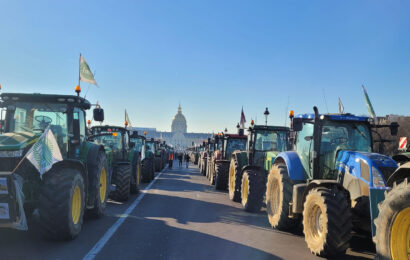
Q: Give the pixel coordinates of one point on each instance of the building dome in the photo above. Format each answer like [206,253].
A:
[179,122]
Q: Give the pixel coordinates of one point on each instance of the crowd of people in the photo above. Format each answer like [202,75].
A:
[180,156]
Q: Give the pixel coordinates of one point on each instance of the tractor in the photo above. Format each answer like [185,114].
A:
[151,146]
[214,145]
[208,148]
[146,155]
[248,169]
[333,181]
[74,186]
[124,160]
[231,143]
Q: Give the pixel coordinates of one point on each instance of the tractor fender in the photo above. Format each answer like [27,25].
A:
[76,164]
[92,155]
[399,175]
[293,164]
[241,157]
[253,167]
[403,157]
[222,161]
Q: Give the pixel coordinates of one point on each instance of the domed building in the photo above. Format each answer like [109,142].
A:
[179,138]
[179,122]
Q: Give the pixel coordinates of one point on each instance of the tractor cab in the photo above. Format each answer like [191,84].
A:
[331,143]
[264,143]
[233,142]
[114,138]
[151,145]
[138,141]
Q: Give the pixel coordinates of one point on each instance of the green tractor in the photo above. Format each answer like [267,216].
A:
[147,162]
[248,169]
[222,158]
[214,145]
[159,155]
[151,148]
[37,128]
[124,160]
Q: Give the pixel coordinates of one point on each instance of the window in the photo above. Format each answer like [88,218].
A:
[304,146]
[81,120]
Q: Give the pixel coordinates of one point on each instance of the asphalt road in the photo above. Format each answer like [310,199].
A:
[178,216]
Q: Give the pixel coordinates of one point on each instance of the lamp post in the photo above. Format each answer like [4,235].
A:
[266,116]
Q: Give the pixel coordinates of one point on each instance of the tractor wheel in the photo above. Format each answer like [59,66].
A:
[221,176]
[278,196]
[327,221]
[136,177]
[204,167]
[122,183]
[152,168]
[101,183]
[393,224]
[146,171]
[208,167]
[234,181]
[61,204]
[212,175]
[252,189]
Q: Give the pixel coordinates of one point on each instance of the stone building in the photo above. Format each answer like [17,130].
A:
[179,138]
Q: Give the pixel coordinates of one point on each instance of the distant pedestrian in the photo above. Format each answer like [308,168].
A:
[180,159]
[170,159]
[187,160]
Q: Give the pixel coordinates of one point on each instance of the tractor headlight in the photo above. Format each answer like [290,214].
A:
[8,154]
[378,180]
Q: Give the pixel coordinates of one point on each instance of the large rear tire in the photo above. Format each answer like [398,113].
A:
[327,222]
[101,184]
[278,196]
[221,176]
[252,189]
[393,224]
[234,181]
[61,204]
[146,171]
[122,183]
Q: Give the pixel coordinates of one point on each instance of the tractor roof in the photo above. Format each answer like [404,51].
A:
[268,128]
[8,98]
[110,128]
[335,117]
[236,136]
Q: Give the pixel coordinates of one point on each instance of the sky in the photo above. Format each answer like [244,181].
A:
[213,57]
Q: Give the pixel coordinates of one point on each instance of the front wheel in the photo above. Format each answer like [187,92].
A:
[122,183]
[393,224]
[234,181]
[101,183]
[327,221]
[136,177]
[61,204]
[221,176]
[253,188]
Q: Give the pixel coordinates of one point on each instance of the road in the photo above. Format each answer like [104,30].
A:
[178,216]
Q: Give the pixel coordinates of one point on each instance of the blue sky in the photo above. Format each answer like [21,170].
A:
[212,56]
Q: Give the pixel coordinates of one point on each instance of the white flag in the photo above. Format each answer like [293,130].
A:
[341,107]
[85,72]
[127,119]
[45,152]
[243,120]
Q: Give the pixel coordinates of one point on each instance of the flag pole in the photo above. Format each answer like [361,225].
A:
[79,66]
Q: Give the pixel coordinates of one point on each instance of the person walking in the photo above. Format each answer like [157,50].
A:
[180,159]
[170,159]
[187,159]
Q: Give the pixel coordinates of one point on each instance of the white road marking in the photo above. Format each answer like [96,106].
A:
[111,231]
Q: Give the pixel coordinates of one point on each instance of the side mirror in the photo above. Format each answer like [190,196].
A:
[98,114]
[297,124]
[394,128]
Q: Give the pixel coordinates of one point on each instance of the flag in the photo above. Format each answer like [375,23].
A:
[341,107]
[45,152]
[243,120]
[368,103]
[85,72]
[127,119]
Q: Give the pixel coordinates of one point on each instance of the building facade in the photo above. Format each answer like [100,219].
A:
[179,138]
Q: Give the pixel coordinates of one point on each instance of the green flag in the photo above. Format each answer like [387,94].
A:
[85,72]
[368,103]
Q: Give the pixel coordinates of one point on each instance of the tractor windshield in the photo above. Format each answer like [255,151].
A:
[151,146]
[270,141]
[234,144]
[138,143]
[109,139]
[26,117]
[338,136]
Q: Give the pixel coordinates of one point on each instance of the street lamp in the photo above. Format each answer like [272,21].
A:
[266,116]
[226,130]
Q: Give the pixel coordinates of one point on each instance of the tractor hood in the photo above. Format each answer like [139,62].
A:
[17,141]
[352,161]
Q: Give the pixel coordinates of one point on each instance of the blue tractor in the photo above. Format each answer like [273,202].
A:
[332,180]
